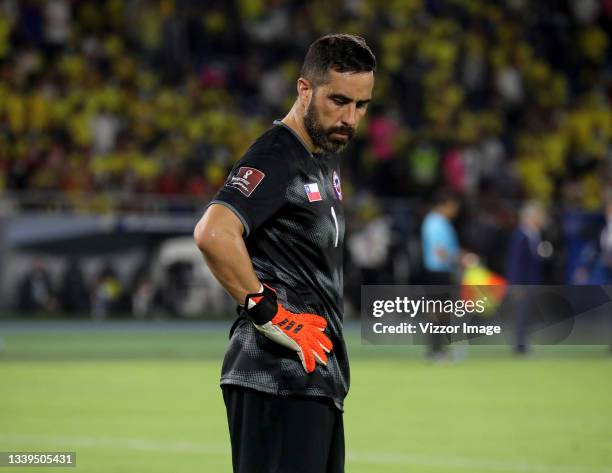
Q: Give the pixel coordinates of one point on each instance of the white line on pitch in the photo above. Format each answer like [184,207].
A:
[377,458]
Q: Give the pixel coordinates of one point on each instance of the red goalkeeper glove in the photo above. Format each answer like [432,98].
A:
[302,333]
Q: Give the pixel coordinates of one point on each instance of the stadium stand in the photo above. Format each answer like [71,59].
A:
[142,106]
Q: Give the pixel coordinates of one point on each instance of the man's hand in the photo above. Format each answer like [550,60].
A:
[302,333]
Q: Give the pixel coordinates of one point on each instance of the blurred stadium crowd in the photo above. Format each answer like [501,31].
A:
[104,102]
[162,96]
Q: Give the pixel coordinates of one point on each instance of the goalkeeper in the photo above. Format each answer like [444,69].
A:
[273,237]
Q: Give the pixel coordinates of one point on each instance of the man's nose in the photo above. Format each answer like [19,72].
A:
[349,118]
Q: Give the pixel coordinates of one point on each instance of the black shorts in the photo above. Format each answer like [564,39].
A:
[283,434]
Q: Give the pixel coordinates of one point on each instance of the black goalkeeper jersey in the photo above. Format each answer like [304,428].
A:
[290,202]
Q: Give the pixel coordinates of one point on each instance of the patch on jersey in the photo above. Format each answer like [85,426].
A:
[246,180]
[312,191]
[336,183]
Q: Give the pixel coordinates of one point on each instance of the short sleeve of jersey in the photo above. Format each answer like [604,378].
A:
[255,188]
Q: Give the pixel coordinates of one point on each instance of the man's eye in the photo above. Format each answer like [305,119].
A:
[362,105]
[339,101]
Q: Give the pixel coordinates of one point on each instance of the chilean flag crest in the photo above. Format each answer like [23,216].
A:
[312,191]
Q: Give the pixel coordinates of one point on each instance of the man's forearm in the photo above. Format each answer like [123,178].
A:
[229,261]
[218,235]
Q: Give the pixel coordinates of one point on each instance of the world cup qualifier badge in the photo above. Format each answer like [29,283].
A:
[336,183]
[246,180]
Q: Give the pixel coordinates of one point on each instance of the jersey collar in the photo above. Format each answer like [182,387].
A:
[280,123]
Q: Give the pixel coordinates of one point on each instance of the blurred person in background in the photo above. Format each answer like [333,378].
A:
[440,243]
[273,237]
[142,292]
[606,243]
[524,267]
[107,293]
[590,267]
[36,293]
[178,276]
[369,245]
[440,248]
[74,294]
[595,259]
[606,247]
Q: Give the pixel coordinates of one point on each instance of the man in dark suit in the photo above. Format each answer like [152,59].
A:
[523,266]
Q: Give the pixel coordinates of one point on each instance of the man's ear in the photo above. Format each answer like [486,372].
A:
[305,92]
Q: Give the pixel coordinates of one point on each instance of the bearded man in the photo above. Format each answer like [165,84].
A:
[273,238]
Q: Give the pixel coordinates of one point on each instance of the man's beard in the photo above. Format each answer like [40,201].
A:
[321,136]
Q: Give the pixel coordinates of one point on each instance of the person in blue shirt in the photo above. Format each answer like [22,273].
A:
[439,240]
[441,252]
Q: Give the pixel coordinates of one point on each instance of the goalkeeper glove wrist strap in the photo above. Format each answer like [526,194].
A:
[261,307]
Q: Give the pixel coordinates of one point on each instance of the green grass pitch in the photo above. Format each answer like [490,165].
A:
[150,402]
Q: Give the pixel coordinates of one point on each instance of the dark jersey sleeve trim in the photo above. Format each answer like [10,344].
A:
[241,217]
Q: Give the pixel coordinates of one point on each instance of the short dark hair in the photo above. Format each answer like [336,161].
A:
[340,52]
